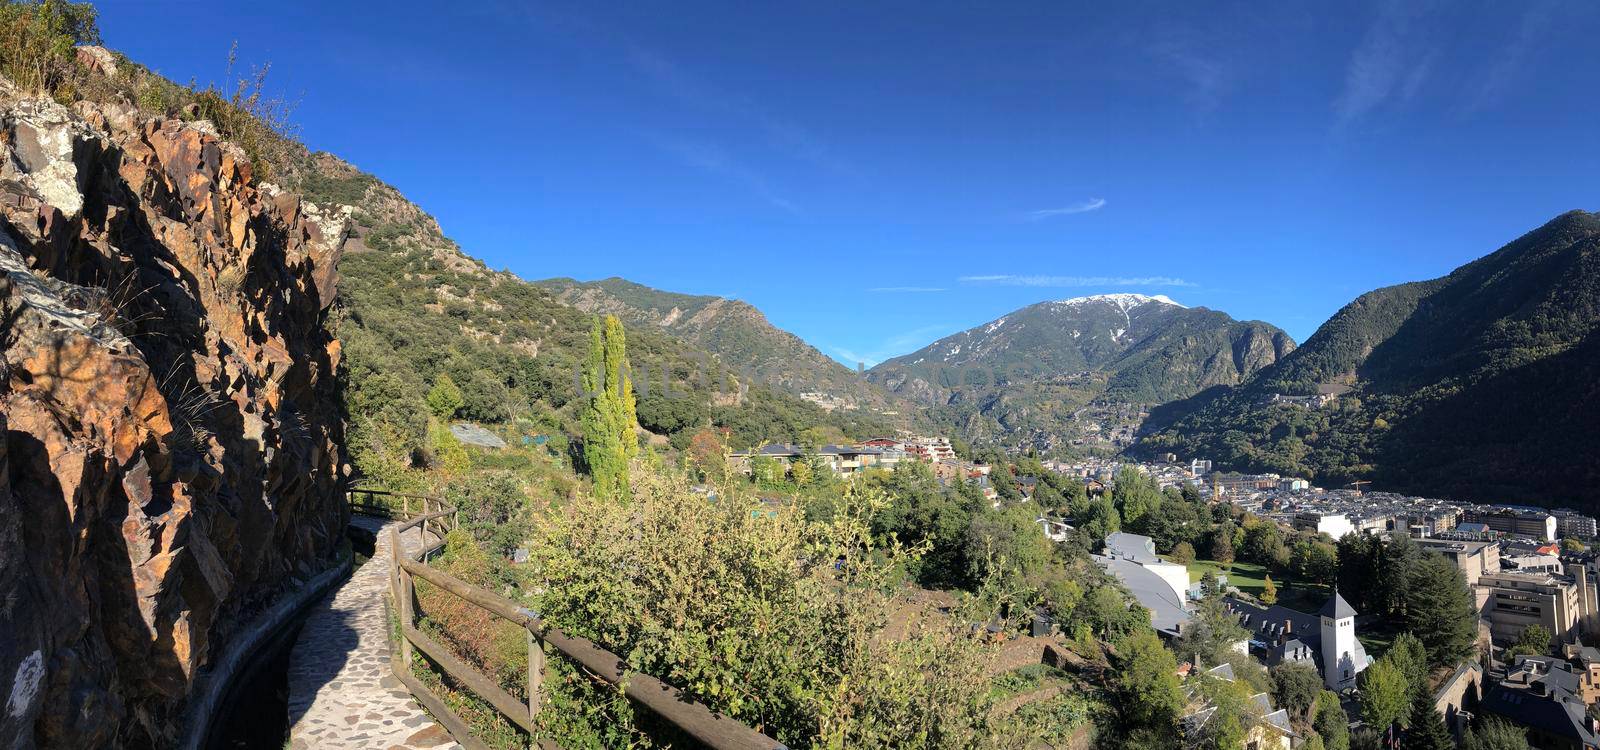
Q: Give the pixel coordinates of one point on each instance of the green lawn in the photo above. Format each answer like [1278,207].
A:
[1376,643]
[1251,579]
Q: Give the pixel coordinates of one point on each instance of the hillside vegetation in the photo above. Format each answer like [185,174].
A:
[1483,384]
[1028,378]
[413,309]
[735,331]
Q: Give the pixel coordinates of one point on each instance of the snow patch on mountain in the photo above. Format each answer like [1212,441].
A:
[1123,301]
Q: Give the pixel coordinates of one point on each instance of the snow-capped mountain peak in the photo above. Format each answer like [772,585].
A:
[1124,301]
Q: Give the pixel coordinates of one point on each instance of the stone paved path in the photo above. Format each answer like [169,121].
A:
[341,692]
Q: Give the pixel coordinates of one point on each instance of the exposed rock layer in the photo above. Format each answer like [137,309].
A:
[172,456]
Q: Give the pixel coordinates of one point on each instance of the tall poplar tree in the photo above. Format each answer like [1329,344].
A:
[610,419]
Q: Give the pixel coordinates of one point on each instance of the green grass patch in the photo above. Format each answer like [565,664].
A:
[1248,577]
[1377,643]
[1251,578]
[1024,680]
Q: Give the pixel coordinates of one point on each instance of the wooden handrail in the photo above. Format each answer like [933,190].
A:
[711,728]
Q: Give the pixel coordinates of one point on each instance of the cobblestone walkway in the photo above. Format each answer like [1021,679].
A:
[341,692]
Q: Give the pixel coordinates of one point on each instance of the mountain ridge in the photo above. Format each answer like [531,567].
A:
[1458,385]
[734,330]
[1036,369]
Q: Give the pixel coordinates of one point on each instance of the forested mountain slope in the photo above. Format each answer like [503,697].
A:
[1023,377]
[413,306]
[735,331]
[1484,383]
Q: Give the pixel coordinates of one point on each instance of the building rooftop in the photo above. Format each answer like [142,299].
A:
[1337,607]
[1167,612]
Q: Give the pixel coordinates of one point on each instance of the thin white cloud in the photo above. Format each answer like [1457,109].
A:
[1507,64]
[907,289]
[893,346]
[1206,78]
[1390,64]
[1082,207]
[716,161]
[681,86]
[676,82]
[1006,279]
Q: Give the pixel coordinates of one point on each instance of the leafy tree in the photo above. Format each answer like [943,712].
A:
[1330,721]
[1222,544]
[1269,591]
[1534,639]
[493,508]
[1145,683]
[1385,695]
[1006,543]
[1440,611]
[768,471]
[803,472]
[485,398]
[1137,498]
[444,398]
[1212,632]
[1296,686]
[1109,612]
[37,52]
[1263,544]
[1062,596]
[1495,733]
[665,413]
[1177,522]
[1233,714]
[768,617]
[609,418]
[449,455]
[708,453]
[1100,518]
[1427,730]
[1409,655]
[1315,560]
[1182,552]
[921,511]
[1225,731]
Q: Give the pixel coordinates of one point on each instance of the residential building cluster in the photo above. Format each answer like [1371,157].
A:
[877,453]
[1514,559]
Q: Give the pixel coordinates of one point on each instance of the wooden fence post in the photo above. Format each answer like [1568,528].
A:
[535,674]
[404,599]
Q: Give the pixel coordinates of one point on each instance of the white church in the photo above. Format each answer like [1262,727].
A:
[1326,640]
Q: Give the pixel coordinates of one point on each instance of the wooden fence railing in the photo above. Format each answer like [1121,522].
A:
[434,516]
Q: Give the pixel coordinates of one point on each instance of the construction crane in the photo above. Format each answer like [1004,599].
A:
[1358,485]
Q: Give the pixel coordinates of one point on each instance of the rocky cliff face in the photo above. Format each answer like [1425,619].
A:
[172,455]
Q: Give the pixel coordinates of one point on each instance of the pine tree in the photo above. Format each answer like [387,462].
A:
[610,419]
[444,398]
[1440,611]
[1427,731]
[1269,592]
[1493,733]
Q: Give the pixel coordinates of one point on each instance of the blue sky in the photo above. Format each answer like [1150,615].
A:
[876,175]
